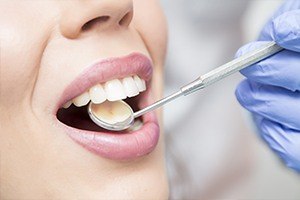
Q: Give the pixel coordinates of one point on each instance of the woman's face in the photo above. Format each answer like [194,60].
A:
[53,52]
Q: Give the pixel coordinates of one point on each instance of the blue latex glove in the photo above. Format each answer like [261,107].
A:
[271,91]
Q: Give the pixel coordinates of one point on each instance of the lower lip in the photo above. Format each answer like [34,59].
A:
[121,145]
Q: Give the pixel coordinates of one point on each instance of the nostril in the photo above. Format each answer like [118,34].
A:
[96,21]
[125,21]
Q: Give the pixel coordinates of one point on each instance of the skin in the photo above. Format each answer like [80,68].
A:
[44,46]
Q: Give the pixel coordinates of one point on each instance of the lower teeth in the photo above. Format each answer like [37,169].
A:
[136,126]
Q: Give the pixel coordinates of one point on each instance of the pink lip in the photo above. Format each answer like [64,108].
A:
[108,69]
[121,145]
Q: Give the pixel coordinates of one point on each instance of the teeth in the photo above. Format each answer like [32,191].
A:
[140,83]
[112,112]
[82,99]
[113,90]
[130,87]
[136,126]
[67,105]
[97,94]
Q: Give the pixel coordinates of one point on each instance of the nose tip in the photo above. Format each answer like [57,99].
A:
[95,15]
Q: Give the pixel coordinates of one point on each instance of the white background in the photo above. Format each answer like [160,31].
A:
[212,150]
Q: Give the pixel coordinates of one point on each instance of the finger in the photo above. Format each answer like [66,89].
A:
[285,142]
[273,103]
[287,6]
[286,30]
[281,69]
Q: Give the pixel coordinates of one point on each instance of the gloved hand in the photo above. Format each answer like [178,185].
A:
[271,91]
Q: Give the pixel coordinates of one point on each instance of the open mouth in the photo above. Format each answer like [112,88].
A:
[74,112]
[126,78]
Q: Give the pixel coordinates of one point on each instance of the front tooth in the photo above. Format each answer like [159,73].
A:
[67,105]
[97,94]
[82,99]
[140,83]
[130,87]
[114,90]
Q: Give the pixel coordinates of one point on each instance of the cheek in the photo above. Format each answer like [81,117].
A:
[21,48]
[151,24]
[19,64]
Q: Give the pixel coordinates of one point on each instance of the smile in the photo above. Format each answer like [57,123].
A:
[126,78]
[113,90]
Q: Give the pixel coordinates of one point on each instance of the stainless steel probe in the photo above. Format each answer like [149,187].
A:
[217,74]
[203,81]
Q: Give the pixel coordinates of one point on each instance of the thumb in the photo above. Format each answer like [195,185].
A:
[286,30]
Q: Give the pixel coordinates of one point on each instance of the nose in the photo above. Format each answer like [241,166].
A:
[94,15]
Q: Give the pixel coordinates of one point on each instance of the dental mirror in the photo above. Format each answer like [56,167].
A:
[118,115]
[111,115]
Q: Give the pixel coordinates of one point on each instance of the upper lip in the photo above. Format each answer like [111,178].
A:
[108,69]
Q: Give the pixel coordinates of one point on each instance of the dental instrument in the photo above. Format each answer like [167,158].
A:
[202,82]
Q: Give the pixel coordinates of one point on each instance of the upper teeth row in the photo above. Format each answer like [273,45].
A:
[113,90]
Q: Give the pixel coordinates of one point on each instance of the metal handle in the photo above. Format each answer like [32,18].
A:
[158,104]
[217,74]
[231,67]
